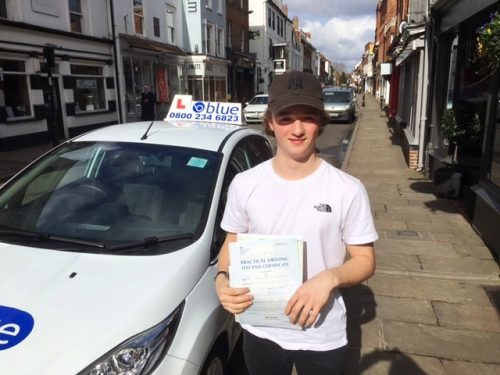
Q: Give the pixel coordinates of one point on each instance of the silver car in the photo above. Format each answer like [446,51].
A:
[340,103]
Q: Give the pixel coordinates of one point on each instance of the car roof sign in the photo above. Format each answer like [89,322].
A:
[183,108]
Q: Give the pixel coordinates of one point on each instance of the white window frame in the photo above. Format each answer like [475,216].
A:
[170,24]
[77,14]
[208,4]
[209,38]
[219,42]
[219,6]
[229,31]
[243,36]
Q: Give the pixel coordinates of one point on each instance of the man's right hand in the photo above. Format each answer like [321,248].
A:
[234,300]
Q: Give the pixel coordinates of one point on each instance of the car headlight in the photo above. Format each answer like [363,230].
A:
[140,354]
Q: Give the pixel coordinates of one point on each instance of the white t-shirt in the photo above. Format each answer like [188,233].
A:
[327,209]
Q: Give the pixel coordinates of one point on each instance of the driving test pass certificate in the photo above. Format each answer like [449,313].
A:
[272,268]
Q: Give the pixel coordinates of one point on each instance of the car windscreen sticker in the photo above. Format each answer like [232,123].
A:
[15,326]
[197,162]
[183,108]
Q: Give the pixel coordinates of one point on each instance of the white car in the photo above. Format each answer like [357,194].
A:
[256,108]
[109,248]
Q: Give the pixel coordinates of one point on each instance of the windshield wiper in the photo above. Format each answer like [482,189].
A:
[41,237]
[149,242]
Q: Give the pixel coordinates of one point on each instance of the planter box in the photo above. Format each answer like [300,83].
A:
[447,183]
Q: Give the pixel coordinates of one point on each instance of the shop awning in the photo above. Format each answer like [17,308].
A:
[147,44]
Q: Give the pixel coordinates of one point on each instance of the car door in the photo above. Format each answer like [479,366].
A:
[248,153]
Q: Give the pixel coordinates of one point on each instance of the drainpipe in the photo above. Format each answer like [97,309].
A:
[425,92]
[117,62]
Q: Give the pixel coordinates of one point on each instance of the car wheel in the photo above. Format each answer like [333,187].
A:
[216,362]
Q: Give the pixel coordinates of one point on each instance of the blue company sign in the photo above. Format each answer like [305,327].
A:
[184,109]
[216,108]
[15,326]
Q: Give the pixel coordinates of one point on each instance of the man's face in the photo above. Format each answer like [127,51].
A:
[296,129]
[146,88]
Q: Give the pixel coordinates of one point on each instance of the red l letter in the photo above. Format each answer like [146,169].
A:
[180,105]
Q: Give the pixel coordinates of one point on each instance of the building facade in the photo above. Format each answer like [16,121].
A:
[150,51]
[465,82]
[241,71]
[69,66]
[57,71]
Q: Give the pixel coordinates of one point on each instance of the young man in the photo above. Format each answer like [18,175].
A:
[297,193]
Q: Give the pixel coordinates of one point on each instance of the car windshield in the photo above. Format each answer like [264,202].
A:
[110,194]
[337,97]
[258,100]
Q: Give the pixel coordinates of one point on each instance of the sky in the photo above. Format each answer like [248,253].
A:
[340,28]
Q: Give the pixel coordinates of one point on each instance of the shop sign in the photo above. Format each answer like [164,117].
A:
[162,85]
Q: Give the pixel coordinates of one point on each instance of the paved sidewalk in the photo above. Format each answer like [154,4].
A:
[433,305]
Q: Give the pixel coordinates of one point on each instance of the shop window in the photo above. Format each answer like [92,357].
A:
[194,87]
[138,17]
[89,88]
[208,4]
[137,73]
[219,6]
[75,15]
[14,89]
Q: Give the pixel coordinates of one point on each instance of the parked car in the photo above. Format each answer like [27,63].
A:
[340,103]
[256,108]
[109,248]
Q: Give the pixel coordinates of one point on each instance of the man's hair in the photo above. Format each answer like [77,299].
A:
[324,119]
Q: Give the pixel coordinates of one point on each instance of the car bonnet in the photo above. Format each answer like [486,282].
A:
[83,305]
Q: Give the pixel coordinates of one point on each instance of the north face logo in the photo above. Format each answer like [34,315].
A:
[295,83]
[323,207]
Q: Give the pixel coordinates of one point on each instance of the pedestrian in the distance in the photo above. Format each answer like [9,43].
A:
[148,100]
[296,193]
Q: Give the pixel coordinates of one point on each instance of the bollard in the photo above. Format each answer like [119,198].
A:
[363,102]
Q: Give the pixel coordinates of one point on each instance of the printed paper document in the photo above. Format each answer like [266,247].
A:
[272,267]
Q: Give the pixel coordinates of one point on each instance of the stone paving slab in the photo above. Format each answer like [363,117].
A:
[398,262]
[382,362]
[442,342]
[452,291]
[477,251]
[470,368]
[461,264]
[471,317]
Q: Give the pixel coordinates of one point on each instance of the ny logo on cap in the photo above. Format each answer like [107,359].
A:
[295,83]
